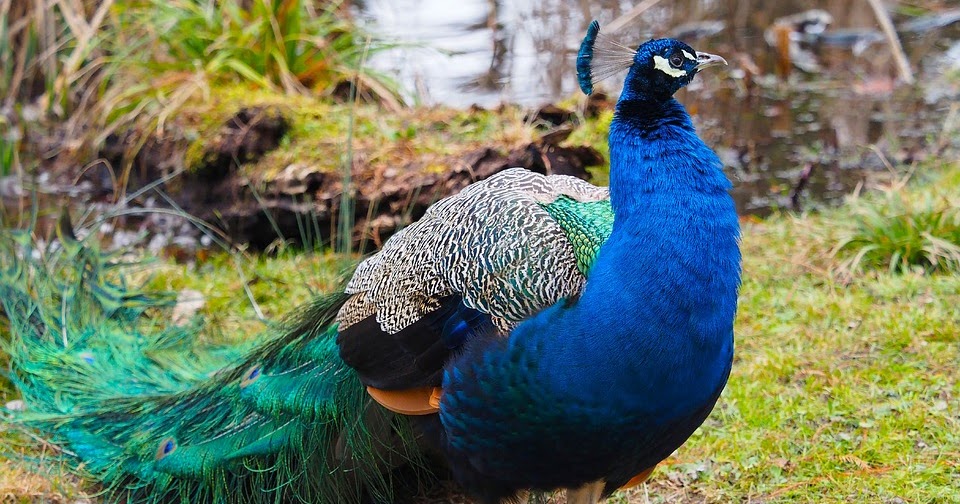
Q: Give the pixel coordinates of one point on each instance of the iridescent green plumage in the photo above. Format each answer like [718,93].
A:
[587,225]
[158,416]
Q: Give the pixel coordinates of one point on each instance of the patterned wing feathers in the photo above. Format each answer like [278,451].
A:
[493,244]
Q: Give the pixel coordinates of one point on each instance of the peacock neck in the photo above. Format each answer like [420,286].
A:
[661,297]
[655,153]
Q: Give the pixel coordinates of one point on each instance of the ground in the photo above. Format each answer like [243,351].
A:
[843,390]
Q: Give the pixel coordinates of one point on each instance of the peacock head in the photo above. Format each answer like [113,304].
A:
[657,69]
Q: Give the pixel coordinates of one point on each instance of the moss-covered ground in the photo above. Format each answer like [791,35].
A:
[322,132]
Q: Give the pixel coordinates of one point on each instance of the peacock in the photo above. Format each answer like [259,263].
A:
[530,333]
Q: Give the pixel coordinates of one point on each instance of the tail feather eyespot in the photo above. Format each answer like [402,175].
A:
[167,446]
[251,375]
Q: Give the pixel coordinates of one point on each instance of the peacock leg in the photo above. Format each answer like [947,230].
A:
[587,494]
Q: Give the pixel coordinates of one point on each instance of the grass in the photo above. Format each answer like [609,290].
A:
[50,66]
[890,231]
[9,147]
[844,387]
[289,46]
[429,136]
[20,485]
[840,393]
[42,51]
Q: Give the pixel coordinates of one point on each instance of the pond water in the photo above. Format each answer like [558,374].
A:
[797,123]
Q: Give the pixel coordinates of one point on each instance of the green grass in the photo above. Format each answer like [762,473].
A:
[844,387]
[9,147]
[290,46]
[893,231]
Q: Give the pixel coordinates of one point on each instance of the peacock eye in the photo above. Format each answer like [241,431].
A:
[167,446]
[250,375]
[676,60]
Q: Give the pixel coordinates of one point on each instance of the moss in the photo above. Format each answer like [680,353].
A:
[204,117]
[322,134]
[594,133]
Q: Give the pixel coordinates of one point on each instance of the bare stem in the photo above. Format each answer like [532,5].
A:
[883,17]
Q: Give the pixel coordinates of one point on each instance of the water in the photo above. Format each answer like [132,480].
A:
[824,130]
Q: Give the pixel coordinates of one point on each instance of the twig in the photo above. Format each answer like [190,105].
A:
[623,20]
[883,17]
[83,33]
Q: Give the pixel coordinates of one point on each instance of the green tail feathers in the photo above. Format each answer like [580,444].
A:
[157,416]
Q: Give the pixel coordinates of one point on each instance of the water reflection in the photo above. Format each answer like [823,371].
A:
[771,123]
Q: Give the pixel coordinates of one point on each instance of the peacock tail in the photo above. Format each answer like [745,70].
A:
[158,414]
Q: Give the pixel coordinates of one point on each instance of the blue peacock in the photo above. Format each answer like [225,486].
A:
[530,333]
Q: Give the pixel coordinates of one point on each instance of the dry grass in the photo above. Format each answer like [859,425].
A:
[36,473]
[18,484]
[91,68]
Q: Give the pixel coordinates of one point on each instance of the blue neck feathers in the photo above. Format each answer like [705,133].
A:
[656,153]
[661,298]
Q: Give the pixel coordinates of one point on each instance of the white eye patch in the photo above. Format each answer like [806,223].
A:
[688,55]
[661,63]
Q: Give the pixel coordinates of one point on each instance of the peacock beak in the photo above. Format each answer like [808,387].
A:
[706,60]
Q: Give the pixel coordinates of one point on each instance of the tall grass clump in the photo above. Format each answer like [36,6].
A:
[166,53]
[9,147]
[49,52]
[50,66]
[280,44]
[99,66]
[900,231]
[286,45]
